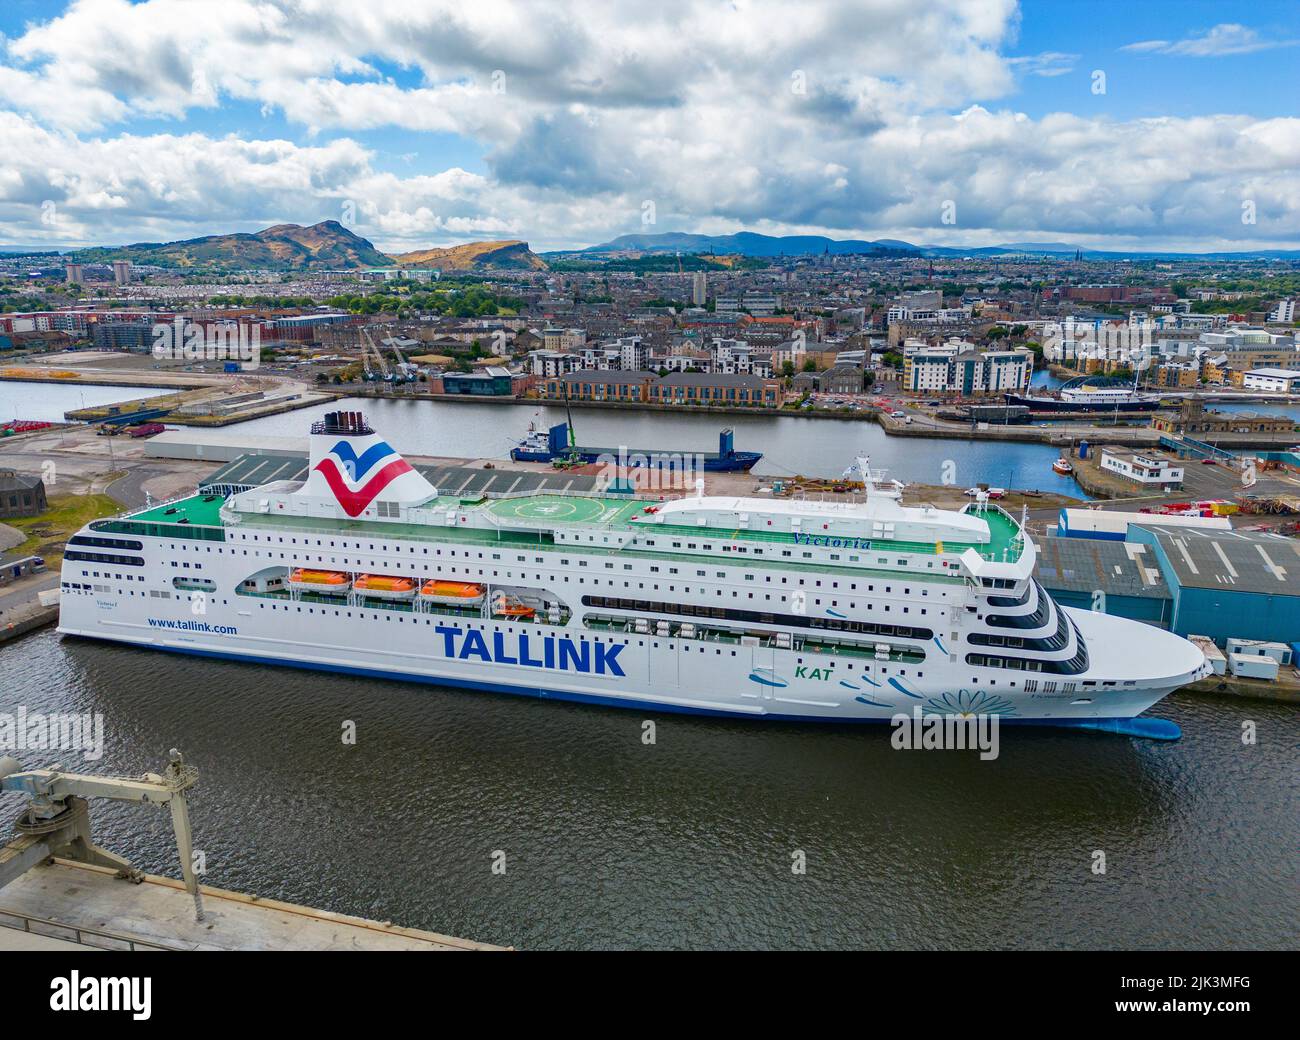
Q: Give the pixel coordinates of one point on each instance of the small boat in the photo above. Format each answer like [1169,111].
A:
[508,606]
[331,583]
[516,610]
[381,586]
[1062,466]
[454,593]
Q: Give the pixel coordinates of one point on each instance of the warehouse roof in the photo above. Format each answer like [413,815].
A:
[1089,564]
[1236,561]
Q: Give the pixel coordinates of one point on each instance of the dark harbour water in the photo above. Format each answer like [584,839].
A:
[791,444]
[687,844]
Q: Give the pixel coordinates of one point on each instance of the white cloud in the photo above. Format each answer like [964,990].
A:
[1223,39]
[832,117]
[1048,63]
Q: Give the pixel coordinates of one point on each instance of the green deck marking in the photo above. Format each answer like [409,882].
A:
[204,510]
[565,509]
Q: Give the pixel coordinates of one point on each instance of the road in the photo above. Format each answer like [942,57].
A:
[22,594]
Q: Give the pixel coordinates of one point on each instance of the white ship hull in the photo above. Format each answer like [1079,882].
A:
[658,673]
[829,612]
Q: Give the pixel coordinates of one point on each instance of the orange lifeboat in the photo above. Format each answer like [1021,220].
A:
[516,610]
[383,586]
[453,593]
[331,583]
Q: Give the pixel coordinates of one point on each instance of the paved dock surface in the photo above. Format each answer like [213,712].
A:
[82,904]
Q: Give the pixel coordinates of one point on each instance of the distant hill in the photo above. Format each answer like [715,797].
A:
[475,256]
[285,247]
[747,243]
[329,245]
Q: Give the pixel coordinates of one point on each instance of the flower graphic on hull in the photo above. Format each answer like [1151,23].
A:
[969,702]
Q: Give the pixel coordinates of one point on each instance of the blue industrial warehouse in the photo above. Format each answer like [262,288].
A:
[1217,583]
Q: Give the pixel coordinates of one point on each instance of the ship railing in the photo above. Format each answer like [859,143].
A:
[1017,542]
[158,504]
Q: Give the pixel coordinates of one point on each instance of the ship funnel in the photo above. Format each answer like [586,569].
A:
[355,467]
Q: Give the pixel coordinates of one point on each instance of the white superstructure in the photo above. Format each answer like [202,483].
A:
[828,611]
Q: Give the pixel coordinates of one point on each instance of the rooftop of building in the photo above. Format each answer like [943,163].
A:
[1088,565]
[1230,561]
[12,481]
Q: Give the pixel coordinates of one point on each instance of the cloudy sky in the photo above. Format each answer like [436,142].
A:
[1142,123]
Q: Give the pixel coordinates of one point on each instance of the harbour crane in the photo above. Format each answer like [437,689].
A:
[56,822]
[405,370]
[380,369]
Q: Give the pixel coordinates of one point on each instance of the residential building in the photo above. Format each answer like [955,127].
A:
[699,288]
[690,388]
[626,387]
[563,339]
[958,368]
[136,336]
[1283,312]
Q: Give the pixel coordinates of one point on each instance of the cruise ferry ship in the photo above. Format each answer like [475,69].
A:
[827,611]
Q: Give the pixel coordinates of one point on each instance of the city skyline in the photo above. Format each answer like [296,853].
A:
[1163,127]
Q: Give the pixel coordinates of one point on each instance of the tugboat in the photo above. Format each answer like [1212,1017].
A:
[1062,466]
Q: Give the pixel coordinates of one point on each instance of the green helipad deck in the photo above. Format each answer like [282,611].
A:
[557,509]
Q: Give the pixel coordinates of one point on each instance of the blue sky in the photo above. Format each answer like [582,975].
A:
[1143,85]
[428,122]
